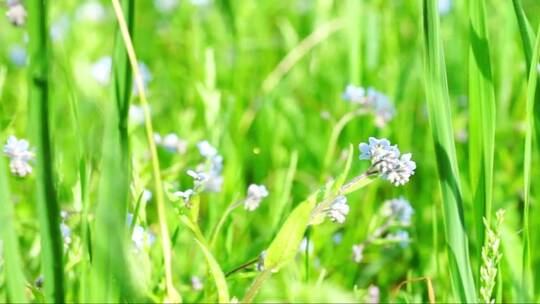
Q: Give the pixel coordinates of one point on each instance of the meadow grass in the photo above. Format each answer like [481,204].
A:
[154,125]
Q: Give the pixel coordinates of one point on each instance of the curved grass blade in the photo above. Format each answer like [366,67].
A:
[442,132]
[215,269]
[172,294]
[13,268]
[47,204]
[111,278]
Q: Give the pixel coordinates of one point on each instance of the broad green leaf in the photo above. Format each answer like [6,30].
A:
[285,245]
[482,117]
[443,137]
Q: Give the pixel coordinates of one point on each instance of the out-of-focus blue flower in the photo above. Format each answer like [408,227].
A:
[400,236]
[18,55]
[171,142]
[90,11]
[101,70]
[59,28]
[18,151]
[165,6]
[255,194]
[444,7]
[146,78]
[398,209]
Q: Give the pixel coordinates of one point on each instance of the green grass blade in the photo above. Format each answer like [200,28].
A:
[15,280]
[111,277]
[527,38]
[442,132]
[527,278]
[39,103]
[482,117]
[215,269]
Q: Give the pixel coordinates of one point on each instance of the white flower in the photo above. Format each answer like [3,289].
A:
[358,253]
[16,14]
[206,149]
[260,263]
[338,210]
[17,55]
[166,5]
[90,11]
[20,168]
[402,171]
[136,114]
[196,283]
[185,195]
[146,195]
[355,94]
[373,295]
[171,142]
[18,148]
[400,209]
[20,155]
[255,194]
[101,70]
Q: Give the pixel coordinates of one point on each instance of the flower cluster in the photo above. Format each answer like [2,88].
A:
[171,142]
[338,210]
[18,151]
[255,195]
[16,13]
[375,102]
[388,161]
[206,176]
[398,210]
[396,213]
[140,237]
[400,236]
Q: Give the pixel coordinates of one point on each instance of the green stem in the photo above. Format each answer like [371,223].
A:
[172,294]
[222,221]
[257,284]
[47,204]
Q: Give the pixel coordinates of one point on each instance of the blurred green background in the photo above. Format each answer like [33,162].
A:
[208,62]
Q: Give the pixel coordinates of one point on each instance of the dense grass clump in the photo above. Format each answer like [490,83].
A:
[283,151]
